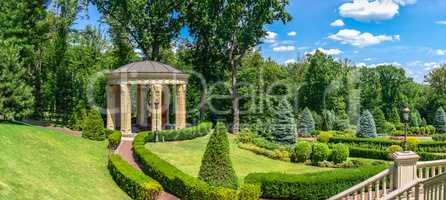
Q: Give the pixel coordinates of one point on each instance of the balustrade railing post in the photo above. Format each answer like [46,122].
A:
[405,171]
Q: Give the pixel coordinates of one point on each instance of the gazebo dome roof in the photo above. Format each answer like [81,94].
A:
[147,67]
[147,72]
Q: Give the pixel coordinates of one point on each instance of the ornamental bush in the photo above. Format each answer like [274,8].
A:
[93,126]
[320,152]
[283,125]
[392,149]
[114,138]
[412,143]
[339,153]
[249,192]
[325,136]
[440,120]
[306,123]
[439,137]
[216,166]
[366,126]
[394,116]
[302,151]
[380,120]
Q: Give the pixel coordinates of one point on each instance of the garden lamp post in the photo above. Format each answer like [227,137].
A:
[156,120]
[406,112]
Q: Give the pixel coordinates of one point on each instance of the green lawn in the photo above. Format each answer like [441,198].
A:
[37,163]
[186,155]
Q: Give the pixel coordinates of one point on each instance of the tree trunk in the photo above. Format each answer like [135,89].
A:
[203,102]
[235,99]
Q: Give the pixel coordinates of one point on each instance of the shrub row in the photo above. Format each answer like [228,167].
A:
[177,182]
[134,183]
[382,143]
[311,186]
[114,139]
[383,155]
[201,129]
[419,131]
[276,154]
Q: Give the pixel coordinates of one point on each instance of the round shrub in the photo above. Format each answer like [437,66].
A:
[303,151]
[339,153]
[325,136]
[93,126]
[320,152]
[412,143]
[439,137]
[392,149]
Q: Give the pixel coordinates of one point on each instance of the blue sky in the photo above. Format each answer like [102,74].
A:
[408,33]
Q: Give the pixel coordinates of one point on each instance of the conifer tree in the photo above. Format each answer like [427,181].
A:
[394,116]
[366,126]
[328,120]
[380,120]
[440,120]
[216,166]
[93,126]
[283,124]
[306,123]
[415,119]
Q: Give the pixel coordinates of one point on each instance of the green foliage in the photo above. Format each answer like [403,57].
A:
[199,130]
[16,99]
[216,166]
[283,124]
[440,120]
[77,118]
[276,154]
[439,137]
[392,149]
[306,123]
[415,119]
[413,143]
[133,182]
[394,116]
[380,120]
[328,120]
[319,152]
[339,153]
[93,126]
[366,126]
[311,186]
[303,151]
[249,192]
[114,139]
[388,128]
[324,136]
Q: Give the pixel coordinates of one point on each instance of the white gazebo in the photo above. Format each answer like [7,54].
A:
[151,79]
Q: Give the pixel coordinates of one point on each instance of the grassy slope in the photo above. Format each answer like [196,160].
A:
[36,163]
[186,155]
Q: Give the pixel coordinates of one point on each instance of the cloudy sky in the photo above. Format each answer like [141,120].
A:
[407,33]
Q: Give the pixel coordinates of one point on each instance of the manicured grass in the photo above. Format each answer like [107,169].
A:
[186,155]
[37,163]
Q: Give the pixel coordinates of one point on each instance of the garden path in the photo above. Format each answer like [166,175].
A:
[126,152]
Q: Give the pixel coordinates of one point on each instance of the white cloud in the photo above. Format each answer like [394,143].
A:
[368,59]
[270,37]
[441,22]
[290,61]
[440,52]
[365,10]
[331,52]
[428,66]
[358,39]
[396,64]
[284,48]
[337,22]
[361,64]
[292,33]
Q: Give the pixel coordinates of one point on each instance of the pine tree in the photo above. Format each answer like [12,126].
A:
[380,120]
[328,120]
[394,116]
[216,165]
[93,126]
[306,123]
[366,126]
[440,120]
[16,99]
[283,124]
[415,119]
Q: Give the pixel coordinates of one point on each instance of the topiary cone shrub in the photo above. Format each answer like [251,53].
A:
[216,166]
[440,120]
[93,126]
[306,123]
[366,126]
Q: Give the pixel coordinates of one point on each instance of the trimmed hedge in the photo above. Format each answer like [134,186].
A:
[174,180]
[249,192]
[134,183]
[383,155]
[276,154]
[114,139]
[201,129]
[310,186]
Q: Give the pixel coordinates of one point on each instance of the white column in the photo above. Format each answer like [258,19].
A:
[141,107]
[156,106]
[180,112]
[405,171]
[126,110]
[111,107]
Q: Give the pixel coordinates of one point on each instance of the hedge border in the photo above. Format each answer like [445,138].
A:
[133,182]
[114,139]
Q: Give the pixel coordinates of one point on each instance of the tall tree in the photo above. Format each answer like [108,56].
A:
[440,120]
[366,126]
[239,26]
[283,127]
[306,123]
[152,25]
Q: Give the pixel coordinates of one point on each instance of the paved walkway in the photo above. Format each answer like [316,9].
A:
[126,152]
